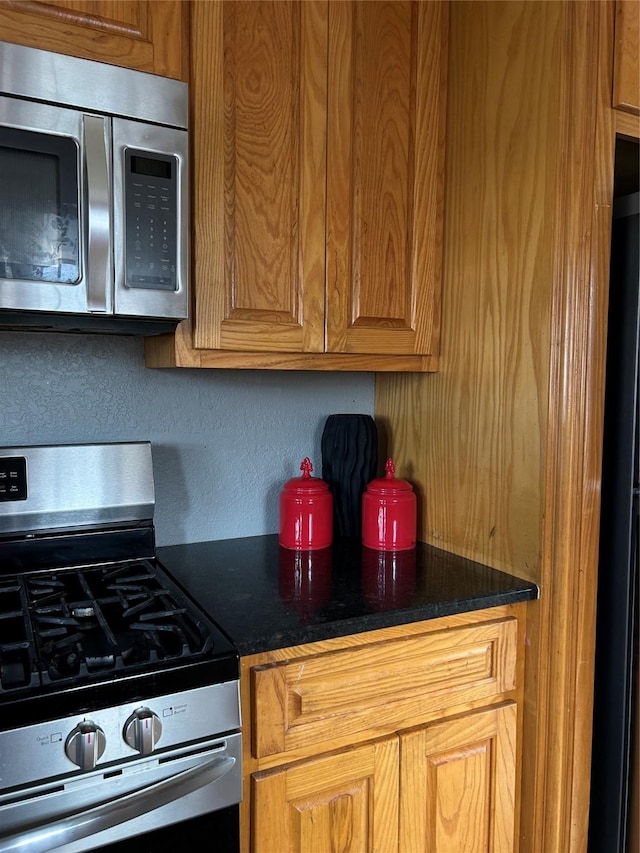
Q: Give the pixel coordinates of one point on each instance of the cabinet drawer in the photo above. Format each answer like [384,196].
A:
[376,688]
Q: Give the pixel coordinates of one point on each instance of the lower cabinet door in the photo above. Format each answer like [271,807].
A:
[345,802]
[458,784]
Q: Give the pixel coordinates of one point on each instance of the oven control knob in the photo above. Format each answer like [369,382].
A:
[85,745]
[142,730]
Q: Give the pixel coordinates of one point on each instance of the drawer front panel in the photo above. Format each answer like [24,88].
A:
[379,687]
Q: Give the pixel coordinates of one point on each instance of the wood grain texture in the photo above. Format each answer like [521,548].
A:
[207,128]
[627,125]
[331,698]
[270,141]
[175,350]
[471,437]
[141,34]
[342,802]
[386,125]
[259,175]
[359,643]
[626,66]
[166,351]
[457,784]
[575,428]
[505,442]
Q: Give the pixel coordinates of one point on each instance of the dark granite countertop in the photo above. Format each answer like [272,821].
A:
[266,597]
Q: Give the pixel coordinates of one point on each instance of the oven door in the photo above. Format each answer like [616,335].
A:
[119,802]
[54,209]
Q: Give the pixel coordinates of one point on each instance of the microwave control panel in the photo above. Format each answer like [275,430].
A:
[151,216]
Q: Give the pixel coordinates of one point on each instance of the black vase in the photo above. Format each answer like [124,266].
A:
[349,462]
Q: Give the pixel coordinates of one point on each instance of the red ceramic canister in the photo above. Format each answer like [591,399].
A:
[306,512]
[389,513]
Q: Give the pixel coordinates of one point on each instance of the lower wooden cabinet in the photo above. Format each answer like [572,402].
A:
[402,740]
[444,788]
[347,801]
[458,783]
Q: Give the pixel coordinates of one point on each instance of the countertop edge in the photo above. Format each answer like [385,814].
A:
[377,621]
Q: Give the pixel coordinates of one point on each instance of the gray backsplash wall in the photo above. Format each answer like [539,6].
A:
[223,441]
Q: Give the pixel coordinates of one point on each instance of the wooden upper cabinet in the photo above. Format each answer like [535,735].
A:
[386,137]
[259,107]
[318,172]
[143,34]
[626,61]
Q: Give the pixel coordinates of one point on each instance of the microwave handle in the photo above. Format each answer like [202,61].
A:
[98,213]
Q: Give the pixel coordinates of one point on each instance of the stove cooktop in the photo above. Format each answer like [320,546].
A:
[122,629]
[88,616]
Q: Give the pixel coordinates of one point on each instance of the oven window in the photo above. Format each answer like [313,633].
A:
[38,207]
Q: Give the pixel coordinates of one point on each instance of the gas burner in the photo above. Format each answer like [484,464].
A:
[72,626]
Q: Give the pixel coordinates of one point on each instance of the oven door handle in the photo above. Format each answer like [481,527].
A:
[53,834]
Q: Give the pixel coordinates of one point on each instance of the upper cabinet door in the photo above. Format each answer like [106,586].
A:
[142,34]
[626,63]
[259,101]
[386,138]
[318,138]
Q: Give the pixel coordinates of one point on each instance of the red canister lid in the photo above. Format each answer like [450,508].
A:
[389,484]
[306,484]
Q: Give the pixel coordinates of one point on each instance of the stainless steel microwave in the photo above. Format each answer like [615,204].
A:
[93,195]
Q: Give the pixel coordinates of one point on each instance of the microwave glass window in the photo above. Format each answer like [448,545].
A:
[38,207]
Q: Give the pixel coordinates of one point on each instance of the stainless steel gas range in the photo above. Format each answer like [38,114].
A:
[119,699]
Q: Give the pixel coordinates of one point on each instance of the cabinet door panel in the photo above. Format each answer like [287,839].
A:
[458,782]
[342,802]
[350,693]
[386,124]
[140,34]
[259,175]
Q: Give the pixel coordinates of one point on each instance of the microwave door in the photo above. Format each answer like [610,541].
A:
[150,220]
[49,159]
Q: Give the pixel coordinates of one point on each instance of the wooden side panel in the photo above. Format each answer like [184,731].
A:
[346,801]
[626,59]
[471,438]
[358,692]
[510,430]
[458,784]
[386,124]
[141,34]
[259,175]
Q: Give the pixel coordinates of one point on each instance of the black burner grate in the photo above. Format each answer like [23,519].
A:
[75,625]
